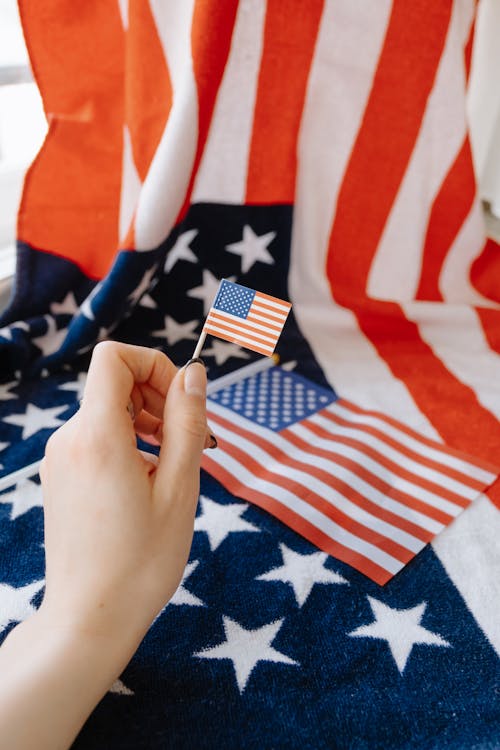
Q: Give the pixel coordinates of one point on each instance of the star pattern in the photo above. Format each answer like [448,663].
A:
[182,595]
[119,688]
[175,332]
[26,495]
[252,248]
[67,306]
[77,385]
[35,419]
[302,572]
[246,648]
[401,629]
[15,603]
[6,332]
[218,521]
[86,306]
[52,339]
[144,285]
[207,290]
[181,250]
[224,350]
[5,394]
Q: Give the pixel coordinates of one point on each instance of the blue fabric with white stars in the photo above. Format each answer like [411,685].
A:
[268,643]
[234,299]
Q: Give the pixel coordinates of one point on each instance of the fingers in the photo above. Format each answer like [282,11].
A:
[115,372]
[184,435]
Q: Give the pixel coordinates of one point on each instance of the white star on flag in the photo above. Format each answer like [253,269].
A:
[6,332]
[144,285]
[3,446]
[222,351]
[252,248]
[15,603]
[181,250]
[246,648]
[67,306]
[77,385]
[400,628]
[119,688]
[86,306]
[207,290]
[5,394]
[174,331]
[182,595]
[147,301]
[302,572]
[52,339]
[220,520]
[35,419]
[26,495]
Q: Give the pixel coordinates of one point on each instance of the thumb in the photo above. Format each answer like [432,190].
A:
[184,433]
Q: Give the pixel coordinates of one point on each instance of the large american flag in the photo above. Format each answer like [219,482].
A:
[362,487]
[247,317]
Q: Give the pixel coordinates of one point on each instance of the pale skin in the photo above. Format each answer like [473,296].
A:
[118,530]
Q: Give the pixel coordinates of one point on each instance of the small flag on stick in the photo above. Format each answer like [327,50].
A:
[246,317]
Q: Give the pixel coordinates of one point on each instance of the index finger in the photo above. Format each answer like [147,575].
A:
[115,369]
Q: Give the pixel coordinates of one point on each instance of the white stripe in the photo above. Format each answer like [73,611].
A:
[239,337]
[395,271]
[238,327]
[168,177]
[237,320]
[454,281]
[468,549]
[333,112]
[481,475]
[130,186]
[307,512]
[309,481]
[400,459]
[393,480]
[264,301]
[399,509]
[456,337]
[266,318]
[222,174]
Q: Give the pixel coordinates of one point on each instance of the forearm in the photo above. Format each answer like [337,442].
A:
[51,680]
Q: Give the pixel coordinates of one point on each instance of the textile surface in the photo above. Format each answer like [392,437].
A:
[317,152]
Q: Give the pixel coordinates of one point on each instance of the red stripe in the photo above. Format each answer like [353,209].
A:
[235,339]
[394,469]
[217,321]
[288,46]
[469,46]
[297,523]
[468,481]
[449,211]
[359,529]
[218,317]
[262,296]
[485,271]
[211,32]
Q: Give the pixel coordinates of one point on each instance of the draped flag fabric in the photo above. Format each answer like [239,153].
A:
[317,152]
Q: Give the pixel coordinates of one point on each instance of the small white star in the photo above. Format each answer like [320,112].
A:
[6,332]
[207,291]
[175,331]
[52,339]
[252,248]
[67,306]
[246,648]
[3,446]
[144,285]
[220,520]
[5,394]
[35,419]
[182,595]
[181,250]
[27,495]
[302,572]
[120,688]
[77,385]
[15,604]
[400,628]
[86,306]
[224,350]
[148,301]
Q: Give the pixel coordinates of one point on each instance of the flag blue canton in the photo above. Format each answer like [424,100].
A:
[234,299]
[275,398]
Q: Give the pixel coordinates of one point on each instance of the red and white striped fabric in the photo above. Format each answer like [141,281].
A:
[353,112]
[359,485]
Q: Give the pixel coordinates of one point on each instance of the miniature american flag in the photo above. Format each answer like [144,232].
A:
[246,317]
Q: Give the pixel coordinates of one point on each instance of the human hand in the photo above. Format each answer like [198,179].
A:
[118,524]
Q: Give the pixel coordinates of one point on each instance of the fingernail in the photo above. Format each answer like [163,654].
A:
[213,441]
[195,378]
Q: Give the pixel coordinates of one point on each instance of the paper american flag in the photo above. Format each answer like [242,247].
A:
[247,317]
[358,484]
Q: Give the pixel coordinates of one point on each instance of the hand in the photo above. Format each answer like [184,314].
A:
[118,523]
